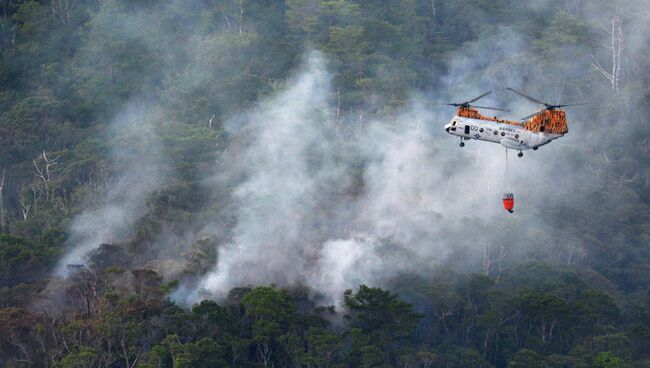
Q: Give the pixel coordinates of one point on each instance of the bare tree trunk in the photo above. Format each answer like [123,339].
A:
[13,340]
[45,174]
[433,14]
[338,111]
[615,31]
[487,264]
[62,9]
[2,207]
[502,255]
[489,260]
[226,18]
[25,208]
[241,16]
[126,353]
[264,353]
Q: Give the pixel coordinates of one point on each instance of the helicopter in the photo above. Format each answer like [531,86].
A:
[534,131]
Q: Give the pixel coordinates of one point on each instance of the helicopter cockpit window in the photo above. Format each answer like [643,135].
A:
[453,124]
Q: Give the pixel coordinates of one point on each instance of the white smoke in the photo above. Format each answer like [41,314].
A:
[138,159]
[391,195]
[281,188]
[296,221]
[343,264]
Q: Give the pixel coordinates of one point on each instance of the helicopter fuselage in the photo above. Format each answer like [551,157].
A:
[511,136]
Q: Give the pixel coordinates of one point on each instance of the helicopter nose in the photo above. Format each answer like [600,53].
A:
[447,129]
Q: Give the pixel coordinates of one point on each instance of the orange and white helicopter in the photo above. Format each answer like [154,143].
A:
[532,132]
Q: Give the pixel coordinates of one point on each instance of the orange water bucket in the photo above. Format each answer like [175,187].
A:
[509,202]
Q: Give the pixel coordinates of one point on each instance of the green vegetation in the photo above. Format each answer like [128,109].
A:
[578,297]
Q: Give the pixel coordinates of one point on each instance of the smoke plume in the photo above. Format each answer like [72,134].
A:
[332,213]
[332,200]
[137,157]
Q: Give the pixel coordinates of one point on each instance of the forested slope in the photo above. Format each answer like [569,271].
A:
[214,183]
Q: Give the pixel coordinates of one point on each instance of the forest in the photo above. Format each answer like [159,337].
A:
[267,183]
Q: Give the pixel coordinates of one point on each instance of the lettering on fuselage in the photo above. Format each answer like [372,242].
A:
[494,133]
[476,128]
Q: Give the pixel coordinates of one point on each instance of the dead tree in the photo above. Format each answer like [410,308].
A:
[45,174]
[489,260]
[602,168]
[573,254]
[433,14]
[241,16]
[62,9]
[82,295]
[338,111]
[2,207]
[225,16]
[26,205]
[446,306]
[615,31]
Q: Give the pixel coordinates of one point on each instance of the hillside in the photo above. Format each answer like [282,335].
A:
[258,183]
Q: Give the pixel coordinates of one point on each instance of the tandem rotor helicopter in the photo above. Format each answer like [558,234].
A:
[532,132]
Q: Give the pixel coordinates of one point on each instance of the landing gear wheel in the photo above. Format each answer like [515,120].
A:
[535,149]
[462,144]
[520,154]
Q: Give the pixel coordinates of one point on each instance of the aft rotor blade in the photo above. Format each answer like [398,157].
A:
[490,108]
[526,96]
[479,97]
[573,104]
[535,114]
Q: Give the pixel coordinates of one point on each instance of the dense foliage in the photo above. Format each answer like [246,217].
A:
[68,66]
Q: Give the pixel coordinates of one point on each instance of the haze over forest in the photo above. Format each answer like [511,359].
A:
[259,183]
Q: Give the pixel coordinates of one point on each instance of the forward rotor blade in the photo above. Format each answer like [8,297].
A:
[535,114]
[479,97]
[490,108]
[526,96]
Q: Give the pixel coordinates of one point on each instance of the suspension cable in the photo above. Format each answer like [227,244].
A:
[505,175]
